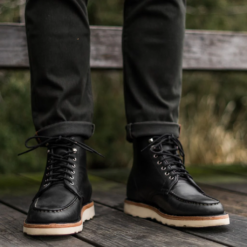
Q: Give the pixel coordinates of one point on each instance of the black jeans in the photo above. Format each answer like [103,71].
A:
[58,38]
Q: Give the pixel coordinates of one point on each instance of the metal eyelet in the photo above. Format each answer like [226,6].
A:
[73,165]
[74,150]
[72,183]
[163,168]
[151,140]
[171,178]
[155,156]
[167,173]
[48,151]
[159,162]
[72,177]
[45,185]
[47,174]
[74,159]
[72,172]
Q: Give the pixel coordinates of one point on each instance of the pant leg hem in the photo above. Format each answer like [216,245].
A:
[151,128]
[68,128]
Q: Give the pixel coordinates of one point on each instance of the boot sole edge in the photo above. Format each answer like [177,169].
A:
[87,213]
[145,211]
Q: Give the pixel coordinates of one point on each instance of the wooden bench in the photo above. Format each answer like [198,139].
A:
[203,50]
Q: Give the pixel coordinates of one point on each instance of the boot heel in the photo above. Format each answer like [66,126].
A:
[88,213]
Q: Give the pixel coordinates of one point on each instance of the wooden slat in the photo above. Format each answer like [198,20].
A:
[233,202]
[110,228]
[112,194]
[233,235]
[234,187]
[203,50]
[113,228]
[210,50]
[11,222]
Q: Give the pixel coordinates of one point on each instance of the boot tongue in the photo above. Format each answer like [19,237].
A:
[169,147]
[60,151]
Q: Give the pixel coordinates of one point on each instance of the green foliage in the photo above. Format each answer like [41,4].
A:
[9,11]
[213,106]
[227,15]
[16,123]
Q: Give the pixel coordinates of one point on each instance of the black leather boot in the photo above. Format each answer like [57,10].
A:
[160,188]
[63,201]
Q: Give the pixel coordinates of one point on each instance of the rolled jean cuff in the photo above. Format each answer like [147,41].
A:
[140,129]
[68,128]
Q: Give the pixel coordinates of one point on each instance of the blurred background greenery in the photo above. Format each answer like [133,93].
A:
[213,109]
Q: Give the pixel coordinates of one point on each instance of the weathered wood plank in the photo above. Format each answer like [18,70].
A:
[13,47]
[203,50]
[234,235]
[114,228]
[11,234]
[234,187]
[110,228]
[209,50]
[233,202]
[112,194]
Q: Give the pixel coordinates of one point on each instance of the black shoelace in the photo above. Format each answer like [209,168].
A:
[59,166]
[171,160]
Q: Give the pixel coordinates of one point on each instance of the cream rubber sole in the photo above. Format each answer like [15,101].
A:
[87,213]
[145,211]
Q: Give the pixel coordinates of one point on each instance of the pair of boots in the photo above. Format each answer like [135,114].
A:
[159,187]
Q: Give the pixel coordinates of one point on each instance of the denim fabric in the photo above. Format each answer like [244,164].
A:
[58,38]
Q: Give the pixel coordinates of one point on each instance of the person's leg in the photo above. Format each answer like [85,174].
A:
[159,186]
[58,38]
[152,51]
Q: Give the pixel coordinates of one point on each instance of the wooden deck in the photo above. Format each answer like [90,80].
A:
[111,227]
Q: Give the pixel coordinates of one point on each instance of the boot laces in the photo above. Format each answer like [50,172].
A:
[171,158]
[59,167]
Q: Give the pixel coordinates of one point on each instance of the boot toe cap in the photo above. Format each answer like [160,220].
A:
[206,207]
[69,214]
[55,205]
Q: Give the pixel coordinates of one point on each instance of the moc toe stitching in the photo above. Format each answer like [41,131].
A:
[66,215]
[58,210]
[193,202]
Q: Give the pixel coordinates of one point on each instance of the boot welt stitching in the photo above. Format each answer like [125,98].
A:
[197,203]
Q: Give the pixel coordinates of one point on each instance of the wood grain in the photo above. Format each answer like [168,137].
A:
[109,228]
[233,202]
[113,226]
[234,235]
[11,234]
[203,50]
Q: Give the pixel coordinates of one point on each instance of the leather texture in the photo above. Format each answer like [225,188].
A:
[62,201]
[172,194]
